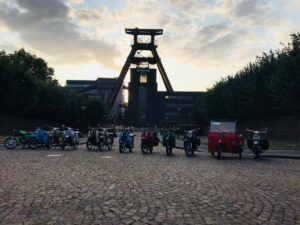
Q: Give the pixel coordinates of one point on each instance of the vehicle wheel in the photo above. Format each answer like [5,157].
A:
[189,151]
[257,153]
[144,149]
[219,152]
[121,148]
[212,154]
[240,153]
[10,143]
[32,143]
[48,144]
[100,146]
[89,144]
[75,145]
[167,150]
[51,140]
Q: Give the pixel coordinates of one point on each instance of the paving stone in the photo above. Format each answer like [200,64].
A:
[83,187]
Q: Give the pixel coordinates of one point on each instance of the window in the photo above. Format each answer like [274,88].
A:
[143,78]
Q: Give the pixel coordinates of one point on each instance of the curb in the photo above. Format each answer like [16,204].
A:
[281,156]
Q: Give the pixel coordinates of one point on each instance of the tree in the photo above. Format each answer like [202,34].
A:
[27,89]
[269,87]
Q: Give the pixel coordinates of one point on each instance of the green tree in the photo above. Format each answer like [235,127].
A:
[269,87]
[27,89]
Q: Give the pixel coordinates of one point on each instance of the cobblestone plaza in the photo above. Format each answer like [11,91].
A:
[81,187]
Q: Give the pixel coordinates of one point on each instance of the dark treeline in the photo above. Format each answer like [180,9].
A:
[267,88]
[27,89]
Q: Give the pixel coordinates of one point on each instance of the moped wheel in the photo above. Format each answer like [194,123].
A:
[48,144]
[75,146]
[62,146]
[100,146]
[32,143]
[257,153]
[168,150]
[89,144]
[189,151]
[144,149]
[121,148]
[10,143]
[219,152]
[240,153]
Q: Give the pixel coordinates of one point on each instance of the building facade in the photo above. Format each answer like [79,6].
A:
[148,106]
[99,89]
[142,97]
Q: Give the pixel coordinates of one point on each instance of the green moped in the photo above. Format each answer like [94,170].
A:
[18,137]
[169,137]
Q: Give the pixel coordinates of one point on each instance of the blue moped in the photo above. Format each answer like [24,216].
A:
[39,138]
[126,140]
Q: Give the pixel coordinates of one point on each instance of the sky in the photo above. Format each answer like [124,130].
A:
[203,40]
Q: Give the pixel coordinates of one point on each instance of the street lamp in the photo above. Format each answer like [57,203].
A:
[81,116]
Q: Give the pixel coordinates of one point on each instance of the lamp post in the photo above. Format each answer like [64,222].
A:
[81,111]
[143,119]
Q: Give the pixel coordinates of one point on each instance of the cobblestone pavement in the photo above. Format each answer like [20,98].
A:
[81,187]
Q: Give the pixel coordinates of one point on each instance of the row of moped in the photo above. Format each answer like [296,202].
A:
[63,137]
[100,138]
[222,138]
[150,139]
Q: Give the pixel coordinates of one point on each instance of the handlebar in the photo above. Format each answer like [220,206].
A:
[257,131]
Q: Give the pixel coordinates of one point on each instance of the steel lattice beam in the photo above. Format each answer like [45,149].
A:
[134,60]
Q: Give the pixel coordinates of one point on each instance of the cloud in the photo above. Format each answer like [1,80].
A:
[45,26]
[76,1]
[251,12]
[3,28]
[211,35]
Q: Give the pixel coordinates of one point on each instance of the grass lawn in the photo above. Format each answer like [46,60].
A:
[2,138]
[284,145]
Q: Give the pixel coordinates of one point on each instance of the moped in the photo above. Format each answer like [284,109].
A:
[39,138]
[70,138]
[93,140]
[18,137]
[169,137]
[56,137]
[126,141]
[106,139]
[149,139]
[191,141]
[256,144]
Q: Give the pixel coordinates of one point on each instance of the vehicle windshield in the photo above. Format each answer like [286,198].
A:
[219,127]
